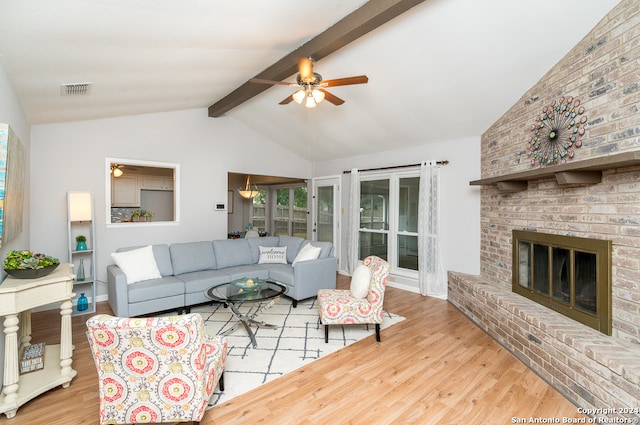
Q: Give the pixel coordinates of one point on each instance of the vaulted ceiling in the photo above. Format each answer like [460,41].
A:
[443,70]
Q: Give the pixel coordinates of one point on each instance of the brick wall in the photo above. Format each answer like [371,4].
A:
[603,72]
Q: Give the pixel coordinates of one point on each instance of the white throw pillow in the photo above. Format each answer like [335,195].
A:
[138,264]
[361,281]
[307,252]
[273,255]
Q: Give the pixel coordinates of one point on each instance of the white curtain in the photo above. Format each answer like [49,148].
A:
[354,221]
[432,280]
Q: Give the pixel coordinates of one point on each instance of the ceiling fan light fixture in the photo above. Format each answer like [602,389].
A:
[299,96]
[116,171]
[311,87]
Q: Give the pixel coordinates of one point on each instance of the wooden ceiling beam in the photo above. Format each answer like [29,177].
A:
[370,16]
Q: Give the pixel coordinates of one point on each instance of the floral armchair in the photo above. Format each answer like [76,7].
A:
[341,307]
[153,370]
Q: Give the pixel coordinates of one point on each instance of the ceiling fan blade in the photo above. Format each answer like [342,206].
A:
[282,83]
[305,69]
[360,79]
[287,100]
[332,98]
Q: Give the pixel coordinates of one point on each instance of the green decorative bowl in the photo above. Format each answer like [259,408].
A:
[31,273]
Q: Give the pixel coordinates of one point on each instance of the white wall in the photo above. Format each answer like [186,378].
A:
[460,202]
[71,156]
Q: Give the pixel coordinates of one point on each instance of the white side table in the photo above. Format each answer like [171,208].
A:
[17,298]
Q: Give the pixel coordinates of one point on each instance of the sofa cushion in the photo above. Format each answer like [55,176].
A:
[203,280]
[192,257]
[281,273]
[250,270]
[232,252]
[137,264]
[155,289]
[273,255]
[306,253]
[293,245]
[255,243]
[326,247]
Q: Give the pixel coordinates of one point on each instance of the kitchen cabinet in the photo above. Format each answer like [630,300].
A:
[125,191]
[156,183]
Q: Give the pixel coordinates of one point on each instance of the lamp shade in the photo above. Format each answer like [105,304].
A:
[299,96]
[318,95]
[310,102]
[80,206]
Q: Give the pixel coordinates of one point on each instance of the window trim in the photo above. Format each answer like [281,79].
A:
[142,163]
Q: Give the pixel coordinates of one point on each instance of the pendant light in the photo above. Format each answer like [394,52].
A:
[249,191]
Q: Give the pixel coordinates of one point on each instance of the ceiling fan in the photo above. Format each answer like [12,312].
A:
[312,86]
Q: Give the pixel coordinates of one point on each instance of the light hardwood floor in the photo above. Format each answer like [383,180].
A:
[435,367]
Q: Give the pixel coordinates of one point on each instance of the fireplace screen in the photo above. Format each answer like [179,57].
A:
[568,274]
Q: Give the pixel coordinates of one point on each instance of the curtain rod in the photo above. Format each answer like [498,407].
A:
[444,162]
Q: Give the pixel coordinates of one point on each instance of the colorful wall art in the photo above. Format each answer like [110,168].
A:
[12,176]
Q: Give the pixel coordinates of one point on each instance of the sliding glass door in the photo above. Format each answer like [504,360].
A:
[389,219]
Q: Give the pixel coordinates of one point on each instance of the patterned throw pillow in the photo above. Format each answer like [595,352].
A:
[361,281]
[273,255]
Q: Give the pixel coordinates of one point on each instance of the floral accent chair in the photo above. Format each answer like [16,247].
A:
[342,307]
[156,370]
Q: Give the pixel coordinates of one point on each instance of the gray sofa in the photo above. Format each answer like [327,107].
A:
[189,269]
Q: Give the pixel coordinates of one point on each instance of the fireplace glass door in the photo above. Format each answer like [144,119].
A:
[567,274]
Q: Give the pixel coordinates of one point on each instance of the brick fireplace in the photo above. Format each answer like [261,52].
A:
[595,194]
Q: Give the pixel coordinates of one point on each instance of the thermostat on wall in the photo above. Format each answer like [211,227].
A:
[220,206]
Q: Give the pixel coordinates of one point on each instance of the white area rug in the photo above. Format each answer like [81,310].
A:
[298,341]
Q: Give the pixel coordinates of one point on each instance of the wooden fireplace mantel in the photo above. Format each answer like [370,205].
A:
[588,171]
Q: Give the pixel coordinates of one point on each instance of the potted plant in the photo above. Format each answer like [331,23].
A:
[81,243]
[27,265]
[135,215]
[148,215]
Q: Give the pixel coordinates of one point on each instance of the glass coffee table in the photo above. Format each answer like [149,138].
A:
[261,293]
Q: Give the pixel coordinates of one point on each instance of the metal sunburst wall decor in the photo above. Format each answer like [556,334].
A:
[557,132]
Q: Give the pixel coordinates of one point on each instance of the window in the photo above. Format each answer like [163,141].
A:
[290,215]
[374,218]
[389,219]
[407,253]
[259,211]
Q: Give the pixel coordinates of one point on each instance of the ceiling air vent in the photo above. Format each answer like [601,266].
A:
[75,89]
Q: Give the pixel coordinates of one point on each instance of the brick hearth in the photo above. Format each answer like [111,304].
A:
[588,367]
